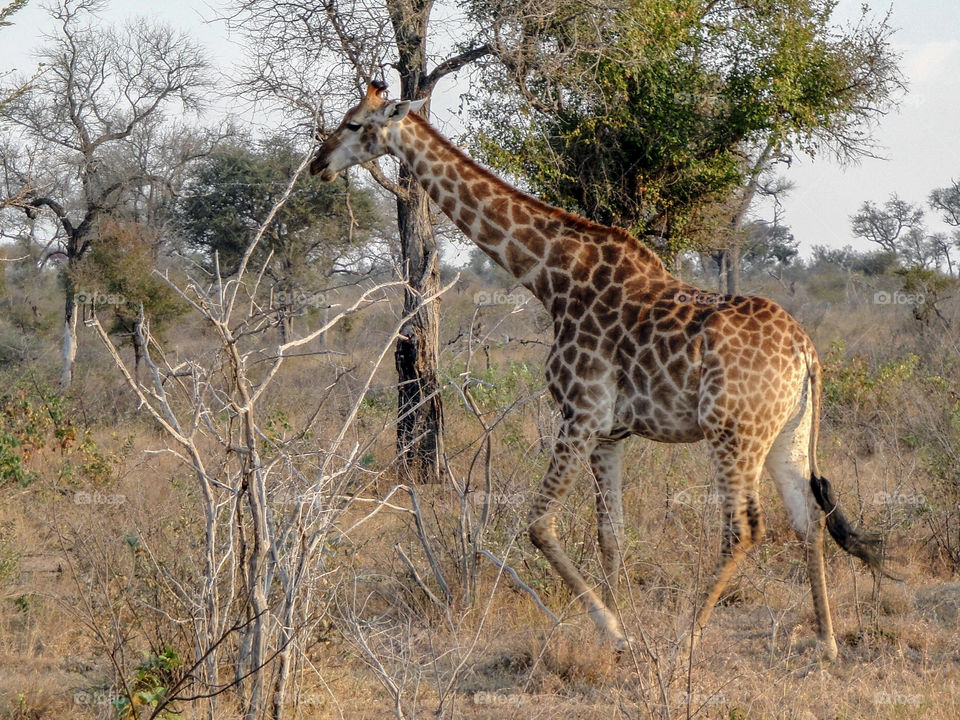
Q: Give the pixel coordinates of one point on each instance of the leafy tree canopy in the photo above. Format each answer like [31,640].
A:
[232,193]
[674,102]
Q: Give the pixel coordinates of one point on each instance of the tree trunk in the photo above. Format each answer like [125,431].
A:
[420,413]
[722,260]
[69,354]
[137,353]
[732,254]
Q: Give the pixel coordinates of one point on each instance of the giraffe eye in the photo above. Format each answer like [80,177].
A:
[353,127]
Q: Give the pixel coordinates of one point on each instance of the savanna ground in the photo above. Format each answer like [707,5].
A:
[100,529]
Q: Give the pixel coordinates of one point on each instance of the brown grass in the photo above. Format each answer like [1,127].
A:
[83,573]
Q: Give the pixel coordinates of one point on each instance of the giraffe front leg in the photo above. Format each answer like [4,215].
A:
[567,457]
[605,461]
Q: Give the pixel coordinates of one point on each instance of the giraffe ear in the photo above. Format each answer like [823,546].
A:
[397,111]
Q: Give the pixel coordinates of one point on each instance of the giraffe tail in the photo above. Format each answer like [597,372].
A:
[868,548]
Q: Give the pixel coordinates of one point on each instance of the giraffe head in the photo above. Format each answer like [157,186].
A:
[362,134]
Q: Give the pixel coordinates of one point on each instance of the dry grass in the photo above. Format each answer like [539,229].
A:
[80,572]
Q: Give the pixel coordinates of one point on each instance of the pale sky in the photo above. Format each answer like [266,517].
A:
[921,142]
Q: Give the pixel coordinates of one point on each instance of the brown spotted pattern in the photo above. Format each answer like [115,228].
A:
[636,352]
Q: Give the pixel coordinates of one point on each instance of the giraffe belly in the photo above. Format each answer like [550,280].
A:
[675,422]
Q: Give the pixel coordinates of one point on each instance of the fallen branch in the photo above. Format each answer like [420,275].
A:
[516,578]
[416,576]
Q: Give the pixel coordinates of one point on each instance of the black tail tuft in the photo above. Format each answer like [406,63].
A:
[868,548]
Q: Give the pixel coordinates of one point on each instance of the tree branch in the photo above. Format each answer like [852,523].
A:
[453,64]
[58,210]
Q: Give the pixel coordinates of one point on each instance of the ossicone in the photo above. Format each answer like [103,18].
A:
[376,89]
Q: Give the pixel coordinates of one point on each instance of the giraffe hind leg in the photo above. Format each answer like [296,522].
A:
[788,462]
[605,462]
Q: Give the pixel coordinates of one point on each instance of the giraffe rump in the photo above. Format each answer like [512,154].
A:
[868,548]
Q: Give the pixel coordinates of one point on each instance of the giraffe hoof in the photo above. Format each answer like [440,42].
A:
[686,644]
[828,651]
[621,647]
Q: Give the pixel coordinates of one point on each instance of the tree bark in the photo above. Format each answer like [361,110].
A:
[69,350]
[732,254]
[419,409]
[722,259]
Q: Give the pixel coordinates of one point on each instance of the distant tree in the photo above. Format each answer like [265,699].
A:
[10,196]
[321,228]
[947,202]
[117,277]
[926,287]
[879,262]
[6,12]
[899,227]
[83,122]
[768,247]
[919,249]
[941,248]
[887,225]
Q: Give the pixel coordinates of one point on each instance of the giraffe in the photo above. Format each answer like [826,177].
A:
[636,351]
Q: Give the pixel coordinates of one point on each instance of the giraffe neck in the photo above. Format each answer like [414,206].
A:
[532,240]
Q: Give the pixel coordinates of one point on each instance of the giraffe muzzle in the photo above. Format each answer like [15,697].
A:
[320,166]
